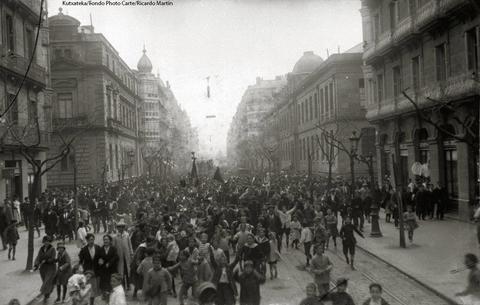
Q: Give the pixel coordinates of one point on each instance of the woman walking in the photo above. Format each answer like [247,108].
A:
[45,261]
[64,272]
[410,222]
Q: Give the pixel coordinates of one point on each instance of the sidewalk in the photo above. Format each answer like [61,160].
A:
[437,248]
[15,282]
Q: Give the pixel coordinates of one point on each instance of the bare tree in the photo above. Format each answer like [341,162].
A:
[328,151]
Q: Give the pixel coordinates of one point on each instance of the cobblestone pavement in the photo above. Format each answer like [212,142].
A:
[398,288]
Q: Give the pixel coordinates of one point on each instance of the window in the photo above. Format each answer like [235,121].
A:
[451,178]
[332,102]
[303,112]
[108,61]
[416,73]
[472,50]
[311,107]
[397,81]
[68,53]
[379,88]
[64,164]
[32,111]
[110,150]
[64,105]
[29,42]
[316,105]
[58,53]
[327,111]
[393,14]
[441,62]
[12,114]
[10,30]
[361,88]
[376,27]
[322,104]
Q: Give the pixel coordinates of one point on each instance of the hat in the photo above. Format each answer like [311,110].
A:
[121,223]
[46,238]
[60,245]
[341,281]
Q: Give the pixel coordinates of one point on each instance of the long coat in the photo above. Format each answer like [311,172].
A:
[87,261]
[45,261]
[63,260]
[124,251]
[105,272]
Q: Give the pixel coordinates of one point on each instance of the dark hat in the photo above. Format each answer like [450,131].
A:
[46,238]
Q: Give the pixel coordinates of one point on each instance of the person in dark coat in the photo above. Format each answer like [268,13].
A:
[45,261]
[11,238]
[107,264]
[3,225]
[250,281]
[223,280]
[64,271]
[88,258]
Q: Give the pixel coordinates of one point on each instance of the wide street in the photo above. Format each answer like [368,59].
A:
[289,288]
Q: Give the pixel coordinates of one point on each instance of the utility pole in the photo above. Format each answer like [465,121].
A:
[398,190]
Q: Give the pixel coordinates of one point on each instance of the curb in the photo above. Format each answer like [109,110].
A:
[435,291]
[32,301]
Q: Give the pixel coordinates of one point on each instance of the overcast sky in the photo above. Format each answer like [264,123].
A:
[233,41]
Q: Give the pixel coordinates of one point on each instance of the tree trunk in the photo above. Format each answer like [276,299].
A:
[31,227]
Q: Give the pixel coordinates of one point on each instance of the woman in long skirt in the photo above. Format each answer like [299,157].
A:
[64,271]
[45,261]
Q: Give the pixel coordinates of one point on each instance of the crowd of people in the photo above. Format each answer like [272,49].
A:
[210,236]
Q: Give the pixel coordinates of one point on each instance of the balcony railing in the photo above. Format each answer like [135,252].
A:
[403,29]
[75,122]
[426,14]
[18,64]
[18,136]
[117,126]
[446,6]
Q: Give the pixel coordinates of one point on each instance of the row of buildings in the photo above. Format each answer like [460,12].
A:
[121,122]
[411,90]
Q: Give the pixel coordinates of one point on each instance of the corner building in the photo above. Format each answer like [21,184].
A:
[19,25]
[430,50]
[96,101]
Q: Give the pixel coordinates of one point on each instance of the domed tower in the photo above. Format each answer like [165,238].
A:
[63,27]
[303,67]
[307,63]
[144,65]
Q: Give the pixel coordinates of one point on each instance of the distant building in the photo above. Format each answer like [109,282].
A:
[326,98]
[165,129]
[97,101]
[257,101]
[428,49]
[19,20]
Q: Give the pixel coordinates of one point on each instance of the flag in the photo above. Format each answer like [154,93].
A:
[218,176]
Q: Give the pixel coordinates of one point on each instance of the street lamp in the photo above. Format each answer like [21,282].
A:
[354,139]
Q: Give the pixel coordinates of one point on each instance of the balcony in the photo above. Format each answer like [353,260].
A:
[18,65]
[403,29]
[116,126]
[67,123]
[446,6]
[16,135]
[426,14]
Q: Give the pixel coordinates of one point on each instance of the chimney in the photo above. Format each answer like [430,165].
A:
[308,53]
[259,79]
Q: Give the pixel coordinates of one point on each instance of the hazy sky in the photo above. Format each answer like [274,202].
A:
[233,41]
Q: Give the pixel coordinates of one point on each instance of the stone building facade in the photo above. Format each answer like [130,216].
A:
[325,99]
[18,29]
[96,102]
[246,126]
[428,50]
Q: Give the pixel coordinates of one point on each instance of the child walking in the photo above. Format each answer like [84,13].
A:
[273,256]
[296,229]
[64,271]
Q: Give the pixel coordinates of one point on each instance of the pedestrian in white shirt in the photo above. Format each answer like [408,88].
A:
[117,297]
[81,235]
[306,237]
